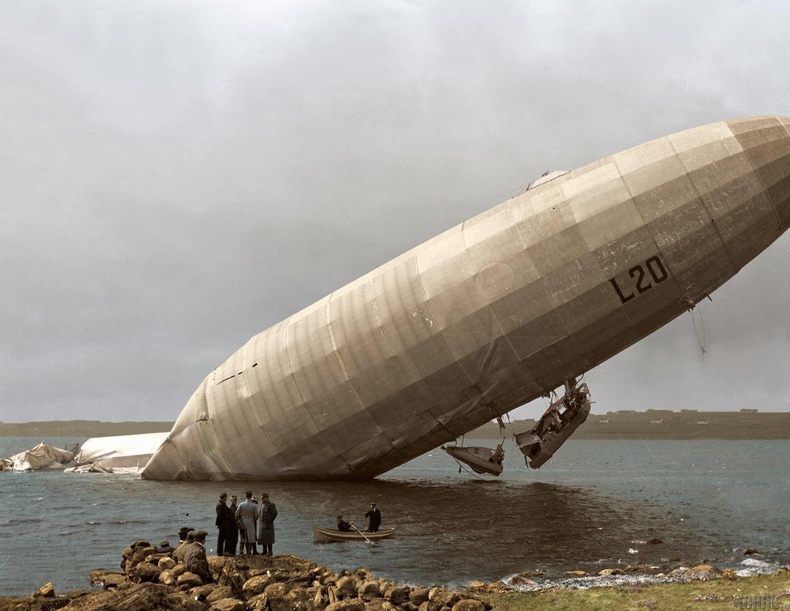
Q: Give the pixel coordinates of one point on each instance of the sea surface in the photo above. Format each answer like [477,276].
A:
[595,505]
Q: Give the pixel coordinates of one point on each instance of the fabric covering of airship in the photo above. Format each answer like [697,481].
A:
[491,314]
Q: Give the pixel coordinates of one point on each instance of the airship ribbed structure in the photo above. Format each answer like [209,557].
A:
[491,314]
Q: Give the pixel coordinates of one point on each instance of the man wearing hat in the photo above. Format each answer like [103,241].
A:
[267,514]
[342,525]
[195,557]
[246,515]
[374,518]
[222,522]
[233,538]
[185,545]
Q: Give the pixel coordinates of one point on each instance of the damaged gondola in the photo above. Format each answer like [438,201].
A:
[558,423]
[479,458]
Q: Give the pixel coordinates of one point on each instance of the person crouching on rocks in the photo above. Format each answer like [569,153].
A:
[195,557]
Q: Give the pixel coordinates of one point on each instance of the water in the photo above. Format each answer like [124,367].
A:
[595,505]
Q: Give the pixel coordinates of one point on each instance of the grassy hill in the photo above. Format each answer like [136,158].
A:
[80,428]
[652,424]
[667,424]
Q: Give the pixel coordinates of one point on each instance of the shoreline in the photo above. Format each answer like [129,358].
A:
[153,579]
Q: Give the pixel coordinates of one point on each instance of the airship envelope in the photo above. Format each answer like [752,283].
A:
[490,314]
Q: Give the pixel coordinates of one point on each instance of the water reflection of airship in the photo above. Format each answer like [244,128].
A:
[491,314]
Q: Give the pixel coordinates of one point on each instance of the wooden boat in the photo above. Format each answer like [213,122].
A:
[330,535]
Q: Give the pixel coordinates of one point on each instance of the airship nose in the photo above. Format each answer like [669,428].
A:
[766,144]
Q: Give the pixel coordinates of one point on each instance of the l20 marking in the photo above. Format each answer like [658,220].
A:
[643,277]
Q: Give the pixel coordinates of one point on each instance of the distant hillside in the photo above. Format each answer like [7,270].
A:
[80,428]
[666,424]
[652,424]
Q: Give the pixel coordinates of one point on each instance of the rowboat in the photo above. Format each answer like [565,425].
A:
[330,535]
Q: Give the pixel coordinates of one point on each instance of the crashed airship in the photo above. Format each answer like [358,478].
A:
[491,314]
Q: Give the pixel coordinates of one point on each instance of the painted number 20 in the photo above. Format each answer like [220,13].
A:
[644,275]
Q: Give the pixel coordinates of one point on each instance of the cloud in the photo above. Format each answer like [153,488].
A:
[176,178]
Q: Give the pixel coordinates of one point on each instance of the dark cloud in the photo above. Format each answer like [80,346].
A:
[176,178]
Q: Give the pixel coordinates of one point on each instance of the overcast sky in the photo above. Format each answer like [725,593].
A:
[176,177]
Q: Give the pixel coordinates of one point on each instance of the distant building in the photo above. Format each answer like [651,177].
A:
[702,422]
[604,421]
[749,410]
[659,421]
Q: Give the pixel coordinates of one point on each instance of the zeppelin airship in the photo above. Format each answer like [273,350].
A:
[500,310]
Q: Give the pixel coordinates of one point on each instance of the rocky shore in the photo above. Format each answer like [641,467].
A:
[153,580]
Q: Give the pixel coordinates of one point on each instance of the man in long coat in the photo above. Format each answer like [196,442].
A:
[267,515]
[246,514]
[223,521]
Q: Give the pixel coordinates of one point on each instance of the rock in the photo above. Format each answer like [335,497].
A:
[166,563]
[218,593]
[418,595]
[106,579]
[654,542]
[397,595]
[368,590]
[782,570]
[47,590]
[349,604]
[346,587]
[258,603]
[145,571]
[610,572]
[179,569]
[188,581]
[167,578]
[137,597]
[576,573]
[469,604]
[729,574]
[701,572]
[256,585]
[749,551]
[228,604]
[441,597]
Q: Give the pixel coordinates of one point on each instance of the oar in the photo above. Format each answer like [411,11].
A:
[361,533]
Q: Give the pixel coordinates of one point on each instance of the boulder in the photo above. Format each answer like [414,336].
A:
[397,595]
[346,587]
[521,580]
[188,580]
[469,604]
[218,593]
[256,585]
[166,563]
[228,604]
[368,590]
[258,603]
[167,578]
[418,595]
[145,571]
[576,573]
[47,590]
[349,604]
[610,572]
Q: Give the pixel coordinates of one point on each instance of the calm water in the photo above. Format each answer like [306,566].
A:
[585,509]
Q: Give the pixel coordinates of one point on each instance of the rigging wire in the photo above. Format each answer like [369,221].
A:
[699,333]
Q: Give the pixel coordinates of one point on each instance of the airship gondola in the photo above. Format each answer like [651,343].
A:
[490,314]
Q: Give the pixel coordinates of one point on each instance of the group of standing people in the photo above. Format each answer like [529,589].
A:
[245,525]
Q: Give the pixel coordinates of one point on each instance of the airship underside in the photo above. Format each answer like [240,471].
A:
[490,314]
